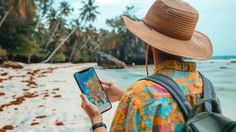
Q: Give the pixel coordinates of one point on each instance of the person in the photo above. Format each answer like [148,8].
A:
[169,29]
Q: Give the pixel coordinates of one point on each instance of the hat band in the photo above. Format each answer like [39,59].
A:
[167,33]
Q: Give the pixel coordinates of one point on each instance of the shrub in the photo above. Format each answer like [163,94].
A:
[2,52]
[59,57]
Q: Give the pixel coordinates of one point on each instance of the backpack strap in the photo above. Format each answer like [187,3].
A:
[209,93]
[174,90]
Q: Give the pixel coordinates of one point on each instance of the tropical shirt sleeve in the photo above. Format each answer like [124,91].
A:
[131,115]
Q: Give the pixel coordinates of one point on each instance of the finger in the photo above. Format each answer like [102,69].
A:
[105,86]
[82,105]
[106,82]
[84,99]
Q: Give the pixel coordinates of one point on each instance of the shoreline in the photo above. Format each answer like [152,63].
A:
[230,60]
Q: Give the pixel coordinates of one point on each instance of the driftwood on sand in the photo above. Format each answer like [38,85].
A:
[11,64]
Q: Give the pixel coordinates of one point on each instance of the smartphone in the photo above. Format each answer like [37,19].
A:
[91,87]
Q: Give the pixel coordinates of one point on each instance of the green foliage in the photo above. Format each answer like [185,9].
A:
[65,8]
[59,57]
[3,52]
[20,42]
[31,35]
[44,6]
[88,12]
[120,42]
[22,46]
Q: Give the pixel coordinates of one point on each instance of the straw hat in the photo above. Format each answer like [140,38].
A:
[169,26]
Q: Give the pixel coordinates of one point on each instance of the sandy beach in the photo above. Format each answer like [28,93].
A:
[45,97]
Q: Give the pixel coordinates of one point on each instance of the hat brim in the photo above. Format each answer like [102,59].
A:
[199,47]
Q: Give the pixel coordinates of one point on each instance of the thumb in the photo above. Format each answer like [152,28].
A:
[105,86]
[84,98]
[106,82]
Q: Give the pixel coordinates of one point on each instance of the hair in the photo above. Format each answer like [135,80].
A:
[158,56]
[166,56]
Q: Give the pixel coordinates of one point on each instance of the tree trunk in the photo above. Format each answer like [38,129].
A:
[29,59]
[5,16]
[59,46]
[97,47]
[122,53]
[84,45]
[73,51]
[37,26]
[53,33]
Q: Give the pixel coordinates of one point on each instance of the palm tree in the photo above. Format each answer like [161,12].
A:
[23,7]
[59,46]
[43,8]
[26,7]
[88,12]
[87,16]
[65,10]
[53,23]
[6,14]
[78,35]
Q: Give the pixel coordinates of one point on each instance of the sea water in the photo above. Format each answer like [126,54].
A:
[222,73]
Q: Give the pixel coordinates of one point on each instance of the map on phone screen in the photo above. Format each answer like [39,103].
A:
[91,87]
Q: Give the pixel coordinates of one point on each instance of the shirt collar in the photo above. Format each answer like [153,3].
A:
[176,65]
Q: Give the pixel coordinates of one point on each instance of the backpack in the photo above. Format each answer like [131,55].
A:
[210,120]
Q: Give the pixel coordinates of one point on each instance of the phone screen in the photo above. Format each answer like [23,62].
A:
[91,87]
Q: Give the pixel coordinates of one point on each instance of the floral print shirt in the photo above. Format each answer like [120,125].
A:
[149,107]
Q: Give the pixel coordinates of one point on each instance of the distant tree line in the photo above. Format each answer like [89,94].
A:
[33,31]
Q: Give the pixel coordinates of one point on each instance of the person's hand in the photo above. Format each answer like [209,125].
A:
[113,92]
[91,110]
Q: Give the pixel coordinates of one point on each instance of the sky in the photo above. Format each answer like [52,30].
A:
[217,18]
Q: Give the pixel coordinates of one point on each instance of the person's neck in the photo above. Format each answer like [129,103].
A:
[159,61]
[159,57]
